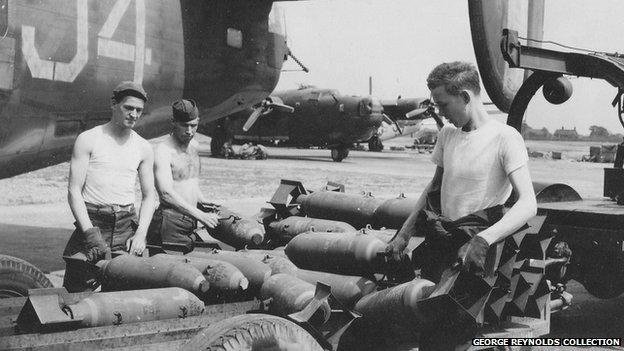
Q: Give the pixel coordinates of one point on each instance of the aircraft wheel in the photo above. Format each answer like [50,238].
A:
[339,154]
[335,155]
[17,276]
[374,144]
[253,332]
[216,144]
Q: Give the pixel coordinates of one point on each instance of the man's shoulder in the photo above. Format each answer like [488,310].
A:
[143,145]
[503,128]
[194,144]
[91,132]
[141,140]
[164,144]
[447,131]
[164,148]
[88,137]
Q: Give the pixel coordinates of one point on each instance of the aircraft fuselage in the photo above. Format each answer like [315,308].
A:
[60,59]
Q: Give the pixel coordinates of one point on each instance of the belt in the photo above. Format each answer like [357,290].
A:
[109,209]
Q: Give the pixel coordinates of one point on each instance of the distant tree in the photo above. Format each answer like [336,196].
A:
[598,131]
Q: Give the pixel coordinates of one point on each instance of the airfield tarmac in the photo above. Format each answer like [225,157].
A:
[35,220]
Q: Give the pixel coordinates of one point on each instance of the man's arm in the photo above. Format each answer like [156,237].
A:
[399,242]
[95,247]
[472,255]
[77,177]
[164,184]
[136,244]
[519,213]
[201,199]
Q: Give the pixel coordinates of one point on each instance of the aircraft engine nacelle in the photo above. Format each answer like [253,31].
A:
[557,90]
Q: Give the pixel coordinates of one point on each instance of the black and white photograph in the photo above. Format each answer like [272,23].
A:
[309,175]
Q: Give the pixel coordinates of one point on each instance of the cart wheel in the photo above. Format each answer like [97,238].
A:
[17,276]
[255,332]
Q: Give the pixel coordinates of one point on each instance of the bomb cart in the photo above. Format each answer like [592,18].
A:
[329,288]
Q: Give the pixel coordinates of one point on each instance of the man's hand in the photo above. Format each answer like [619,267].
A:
[209,219]
[96,248]
[136,244]
[395,248]
[472,255]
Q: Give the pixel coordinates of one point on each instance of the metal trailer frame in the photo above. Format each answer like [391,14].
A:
[593,228]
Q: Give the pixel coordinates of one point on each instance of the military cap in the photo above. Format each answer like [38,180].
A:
[185,110]
[129,88]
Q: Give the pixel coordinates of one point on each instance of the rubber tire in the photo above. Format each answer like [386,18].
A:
[339,154]
[376,145]
[255,332]
[345,153]
[335,155]
[216,143]
[17,276]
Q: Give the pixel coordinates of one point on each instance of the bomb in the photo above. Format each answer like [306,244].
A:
[128,272]
[341,253]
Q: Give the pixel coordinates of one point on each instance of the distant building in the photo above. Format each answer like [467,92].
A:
[566,134]
[529,133]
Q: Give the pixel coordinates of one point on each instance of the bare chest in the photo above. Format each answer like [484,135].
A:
[184,165]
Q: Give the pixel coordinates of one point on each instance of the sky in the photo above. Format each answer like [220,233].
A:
[398,42]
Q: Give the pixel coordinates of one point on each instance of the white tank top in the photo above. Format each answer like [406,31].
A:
[113,169]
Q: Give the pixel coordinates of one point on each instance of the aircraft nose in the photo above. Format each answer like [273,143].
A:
[369,105]
[374,111]
[375,119]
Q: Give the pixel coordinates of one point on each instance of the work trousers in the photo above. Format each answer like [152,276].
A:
[117,224]
[171,226]
[444,237]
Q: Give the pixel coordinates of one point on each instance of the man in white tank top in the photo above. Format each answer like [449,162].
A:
[479,161]
[176,170]
[105,163]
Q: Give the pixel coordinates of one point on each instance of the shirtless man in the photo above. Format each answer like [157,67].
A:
[176,169]
[103,170]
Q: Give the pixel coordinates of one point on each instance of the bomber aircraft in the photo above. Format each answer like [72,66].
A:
[60,59]
[310,116]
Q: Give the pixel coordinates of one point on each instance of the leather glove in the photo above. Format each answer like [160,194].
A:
[394,249]
[472,255]
[96,248]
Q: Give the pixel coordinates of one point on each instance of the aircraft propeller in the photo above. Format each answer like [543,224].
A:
[389,120]
[267,106]
[427,109]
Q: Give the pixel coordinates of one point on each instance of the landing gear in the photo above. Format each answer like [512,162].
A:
[340,153]
[374,144]
[216,143]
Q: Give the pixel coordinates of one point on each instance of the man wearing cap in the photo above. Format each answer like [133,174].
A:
[176,170]
[103,171]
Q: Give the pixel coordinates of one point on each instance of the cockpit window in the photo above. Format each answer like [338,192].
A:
[4,17]
[235,38]
[365,107]
[314,96]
